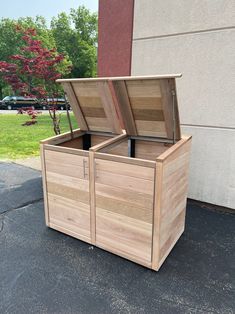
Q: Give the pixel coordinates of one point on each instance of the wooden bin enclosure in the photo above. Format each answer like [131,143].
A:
[127,194]
[66,166]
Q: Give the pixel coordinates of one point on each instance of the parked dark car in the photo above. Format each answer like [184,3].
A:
[16,102]
[58,103]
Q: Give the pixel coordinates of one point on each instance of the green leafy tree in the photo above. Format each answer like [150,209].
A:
[76,36]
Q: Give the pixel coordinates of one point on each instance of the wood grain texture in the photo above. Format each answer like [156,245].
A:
[133,207]
[67,178]
[64,212]
[125,107]
[119,148]
[127,160]
[172,150]
[146,150]
[92,197]
[97,139]
[93,103]
[57,139]
[151,128]
[67,150]
[124,235]
[122,224]
[174,185]
[121,78]
[74,143]
[143,88]
[147,103]
[109,106]
[98,124]
[74,102]
[171,114]
[150,150]
[106,142]
[157,216]
[44,184]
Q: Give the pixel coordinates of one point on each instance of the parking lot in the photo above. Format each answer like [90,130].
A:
[45,271]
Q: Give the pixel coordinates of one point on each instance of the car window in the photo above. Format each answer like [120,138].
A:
[6,98]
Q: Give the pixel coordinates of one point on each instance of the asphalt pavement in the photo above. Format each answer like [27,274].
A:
[44,271]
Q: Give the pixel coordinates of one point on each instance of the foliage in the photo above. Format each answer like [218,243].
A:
[33,71]
[10,40]
[21,142]
[76,36]
[32,114]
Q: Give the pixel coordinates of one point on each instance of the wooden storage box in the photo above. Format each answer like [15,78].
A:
[65,159]
[135,183]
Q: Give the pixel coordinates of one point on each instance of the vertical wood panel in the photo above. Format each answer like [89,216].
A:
[174,197]
[75,105]
[92,196]
[67,188]
[125,107]
[109,106]
[44,184]
[171,114]
[157,216]
[122,225]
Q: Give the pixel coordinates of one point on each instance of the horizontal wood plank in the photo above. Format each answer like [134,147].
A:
[76,194]
[151,128]
[148,103]
[64,159]
[70,214]
[124,234]
[128,160]
[115,168]
[143,88]
[139,199]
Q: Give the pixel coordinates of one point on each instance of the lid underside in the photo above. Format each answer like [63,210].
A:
[147,106]
[93,106]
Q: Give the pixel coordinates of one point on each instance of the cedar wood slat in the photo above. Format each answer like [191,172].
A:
[165,159]
[125,106]
[68,88]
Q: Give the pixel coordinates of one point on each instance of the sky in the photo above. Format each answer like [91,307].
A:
[47,8]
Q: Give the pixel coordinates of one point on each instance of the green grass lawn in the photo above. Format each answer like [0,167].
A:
[17,141]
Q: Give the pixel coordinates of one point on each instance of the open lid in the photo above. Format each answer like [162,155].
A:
[148,105]
[93,104]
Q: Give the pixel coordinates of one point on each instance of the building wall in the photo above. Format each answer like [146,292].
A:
[195,38]
[115,37]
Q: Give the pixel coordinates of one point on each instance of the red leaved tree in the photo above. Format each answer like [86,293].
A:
[32,72]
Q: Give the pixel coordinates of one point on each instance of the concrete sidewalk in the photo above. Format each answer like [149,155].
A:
[44,271]
[30,162]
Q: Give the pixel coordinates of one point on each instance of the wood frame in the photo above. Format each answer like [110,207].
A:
[129,204]
[170,158]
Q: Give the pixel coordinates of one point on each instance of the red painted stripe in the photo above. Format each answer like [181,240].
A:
[115,37]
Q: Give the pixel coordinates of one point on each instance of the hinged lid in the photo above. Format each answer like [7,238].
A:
[93,104]
[148,105]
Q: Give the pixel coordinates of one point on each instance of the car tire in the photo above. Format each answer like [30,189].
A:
[44,107]
[9,107]
[61,107]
